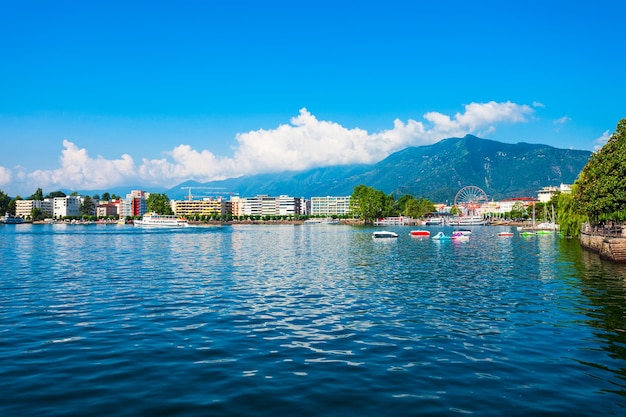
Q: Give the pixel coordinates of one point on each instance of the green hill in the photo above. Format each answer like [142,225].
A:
[435,171]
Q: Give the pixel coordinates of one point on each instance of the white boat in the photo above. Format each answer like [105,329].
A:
[384,234]
[11,219]
[466,232]
[470,221]
[459,236]
[161,220]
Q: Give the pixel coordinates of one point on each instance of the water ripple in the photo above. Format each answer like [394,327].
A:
[320,321]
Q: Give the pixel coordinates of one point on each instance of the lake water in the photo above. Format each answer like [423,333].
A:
[308,320]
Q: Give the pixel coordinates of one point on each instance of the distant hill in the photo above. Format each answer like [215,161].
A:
[436,172]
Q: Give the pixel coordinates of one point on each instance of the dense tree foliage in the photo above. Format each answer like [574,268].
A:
[88,206]
[159,203]
[38,195]
[568,213]
[4,202]
[106,196]
[57,194]
[370,204]
[601,186]
[417,208]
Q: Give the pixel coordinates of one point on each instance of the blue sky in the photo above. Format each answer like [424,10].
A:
[97,95]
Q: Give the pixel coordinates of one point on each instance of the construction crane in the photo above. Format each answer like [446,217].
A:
[190,197]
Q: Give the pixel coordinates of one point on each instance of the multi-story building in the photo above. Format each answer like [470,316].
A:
[108,209]
[135,204]
[329,206]
[24,208]
[545,194]
[264,205]
[204,207]
[68,206]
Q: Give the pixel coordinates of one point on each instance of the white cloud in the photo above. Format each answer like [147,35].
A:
[561,121]
[5,176]
[79,171]
[303,143]
[599,142]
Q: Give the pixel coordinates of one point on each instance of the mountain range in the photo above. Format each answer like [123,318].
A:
[436,172]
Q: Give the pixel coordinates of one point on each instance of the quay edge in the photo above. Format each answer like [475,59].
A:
[612,248]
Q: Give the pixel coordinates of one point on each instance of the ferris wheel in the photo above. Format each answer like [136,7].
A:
[469,199]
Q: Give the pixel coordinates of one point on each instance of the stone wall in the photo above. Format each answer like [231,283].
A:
[612,248]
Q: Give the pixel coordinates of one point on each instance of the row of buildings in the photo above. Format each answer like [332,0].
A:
[135,205]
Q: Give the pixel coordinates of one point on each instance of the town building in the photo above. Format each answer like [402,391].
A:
[264,205]
[68,206]
[204,207]
[546,193]
[108,209]
[330,206]
[135,204]
[24,208]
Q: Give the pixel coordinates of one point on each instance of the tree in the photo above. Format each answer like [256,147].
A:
[370,204]
[568,213]
[38,195]
[13,204]
[159,203]
[36,214]
[87,208]
[57,194]
[4,202]
[106,196]
[601,186]
[417,208]
[518,211]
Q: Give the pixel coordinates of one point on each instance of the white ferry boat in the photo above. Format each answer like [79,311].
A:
[161,220]
[11,219]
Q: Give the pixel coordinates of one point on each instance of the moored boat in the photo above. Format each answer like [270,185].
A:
[384,234]
[420,233]
[466,232]
[161,220]
[459,236]
[11,219]
[505,234]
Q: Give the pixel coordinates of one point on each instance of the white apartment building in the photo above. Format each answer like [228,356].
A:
[329,206]
[546,193]
[264,205]
[23,208]
[68,206]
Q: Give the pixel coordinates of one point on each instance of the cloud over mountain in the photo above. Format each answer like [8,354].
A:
[305,142]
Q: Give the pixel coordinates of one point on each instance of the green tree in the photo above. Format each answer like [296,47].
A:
[57,194]
[417,208]
[568,213]
[106,196]
[87,207]
[13,204]
[518,211]
[36,214]
[4,202]
[601,186]
[159,203]
[38,195]
[369,204]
